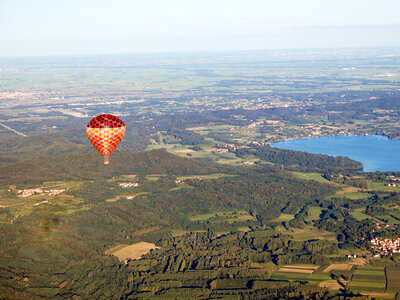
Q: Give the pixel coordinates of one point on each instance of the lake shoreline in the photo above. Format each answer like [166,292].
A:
[375,152]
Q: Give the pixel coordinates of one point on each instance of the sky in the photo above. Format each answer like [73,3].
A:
[70,27]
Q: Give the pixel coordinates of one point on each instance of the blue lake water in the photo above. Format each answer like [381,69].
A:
[376,152]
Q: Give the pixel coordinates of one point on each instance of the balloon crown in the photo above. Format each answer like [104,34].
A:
[105,121]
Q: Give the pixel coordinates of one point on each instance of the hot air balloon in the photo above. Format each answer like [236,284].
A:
[105,132]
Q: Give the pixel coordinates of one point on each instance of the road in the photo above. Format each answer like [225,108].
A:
[13,130]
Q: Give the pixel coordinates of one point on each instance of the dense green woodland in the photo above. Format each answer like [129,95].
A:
[62,254]
[56,250]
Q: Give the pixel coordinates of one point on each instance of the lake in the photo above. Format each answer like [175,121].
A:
[376,152]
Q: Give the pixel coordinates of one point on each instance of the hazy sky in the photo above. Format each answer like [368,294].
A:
[47,27]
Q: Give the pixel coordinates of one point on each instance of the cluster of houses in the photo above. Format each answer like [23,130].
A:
[39,191]
[222,150]
[380,225]
[128,184]
[385,247]
[392,178]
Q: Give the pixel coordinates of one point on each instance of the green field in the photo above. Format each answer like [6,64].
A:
[311,176]
[368,279]
[205,177]
[389,218]
[228,216]
[313,213]
[381,186]
[283,217]
[359,215]
[308,233]
[277,275]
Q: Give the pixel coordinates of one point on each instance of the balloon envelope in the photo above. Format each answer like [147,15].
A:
[105,132]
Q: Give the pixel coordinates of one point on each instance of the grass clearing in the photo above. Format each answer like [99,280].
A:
[283,217]
[206,177]
[308,233]
[352,193]
[388,218]
[154,177]
[359,216]
[227,216]
[313,213]
[123,197]
[311,176]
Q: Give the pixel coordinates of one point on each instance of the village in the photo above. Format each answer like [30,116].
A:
[125,185]
[39,191]
[385,247]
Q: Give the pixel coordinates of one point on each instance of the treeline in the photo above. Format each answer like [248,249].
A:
[236,264]
[56,246]
[299,160]
[90,167]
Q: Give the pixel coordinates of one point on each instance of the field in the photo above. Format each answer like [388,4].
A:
[311,176]
[308,233]
[340,267]
[228,216]
[381,186]
[313,213]
[300,275]
[134,251]
[353,193]
[368,279]
[358,215]
[283,217]
[205,177]
[25,206]
[393,279]
[303,269]
[389,218]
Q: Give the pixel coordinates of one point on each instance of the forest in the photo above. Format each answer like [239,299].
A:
[232,237]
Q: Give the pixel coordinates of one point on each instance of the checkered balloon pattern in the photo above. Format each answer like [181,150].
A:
[105,132]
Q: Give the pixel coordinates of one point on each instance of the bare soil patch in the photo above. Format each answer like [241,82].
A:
[376,294]
[292,270]
[350,189]
[134,251]
[331,284]
[301,267]
[345,267]
[184,151]
[359,261]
